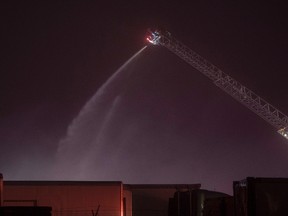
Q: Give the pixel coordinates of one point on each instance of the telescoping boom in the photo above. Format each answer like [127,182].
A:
[241,93]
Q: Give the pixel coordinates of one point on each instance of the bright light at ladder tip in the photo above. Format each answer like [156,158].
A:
[284,132]
[150,40]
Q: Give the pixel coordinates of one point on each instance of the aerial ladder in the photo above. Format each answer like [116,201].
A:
[241,93]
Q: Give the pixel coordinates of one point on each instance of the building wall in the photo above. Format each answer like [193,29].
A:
[68,198]
[153,200]
[127,205]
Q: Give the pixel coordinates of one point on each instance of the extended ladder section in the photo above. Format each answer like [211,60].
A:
[241,93]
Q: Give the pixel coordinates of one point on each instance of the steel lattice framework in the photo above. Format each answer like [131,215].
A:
[241,93]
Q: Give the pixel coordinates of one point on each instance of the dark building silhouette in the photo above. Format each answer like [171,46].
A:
[261,197]
[199,203]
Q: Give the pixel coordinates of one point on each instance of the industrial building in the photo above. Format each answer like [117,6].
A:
[252,196]
[154,199]
[70,198]
[92,198]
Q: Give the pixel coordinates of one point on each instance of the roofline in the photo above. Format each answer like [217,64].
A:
[60,183]
[102,183]
[163,186]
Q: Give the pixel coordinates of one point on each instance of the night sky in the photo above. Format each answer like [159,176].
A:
[157,120]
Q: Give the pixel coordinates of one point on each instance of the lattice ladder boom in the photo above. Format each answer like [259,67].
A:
[229,85]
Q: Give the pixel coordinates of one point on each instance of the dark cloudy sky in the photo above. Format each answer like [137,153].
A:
[56,55]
